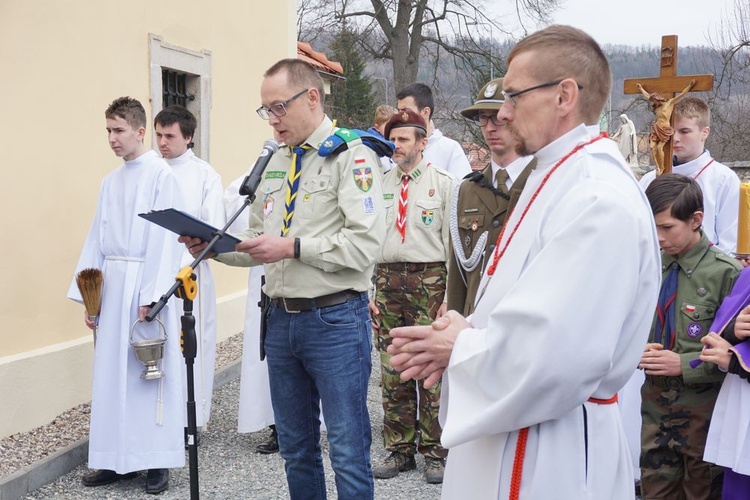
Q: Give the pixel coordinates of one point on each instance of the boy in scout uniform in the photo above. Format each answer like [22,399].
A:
[410,289]
[678,400]
[483,201]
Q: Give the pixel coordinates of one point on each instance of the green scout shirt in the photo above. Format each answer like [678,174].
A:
[706,276]
[427,222]
[338,217]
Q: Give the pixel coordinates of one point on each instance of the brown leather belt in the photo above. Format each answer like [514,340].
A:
[410,267]
[304,305]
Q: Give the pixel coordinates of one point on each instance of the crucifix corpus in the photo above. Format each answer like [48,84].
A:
[663,93]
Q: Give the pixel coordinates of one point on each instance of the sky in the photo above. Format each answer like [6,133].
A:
[643,22]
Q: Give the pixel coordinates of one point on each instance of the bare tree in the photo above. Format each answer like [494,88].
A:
[405,31]
[730,103]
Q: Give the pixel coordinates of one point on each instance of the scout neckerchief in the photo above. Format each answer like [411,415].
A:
[292,184]
[666,322]
[403,201]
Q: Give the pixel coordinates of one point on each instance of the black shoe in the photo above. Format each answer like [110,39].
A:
[104,476]
[157,480]
[395,462]
[270,445]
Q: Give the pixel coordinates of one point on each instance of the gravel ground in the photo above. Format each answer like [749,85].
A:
[20,450]
[228,467]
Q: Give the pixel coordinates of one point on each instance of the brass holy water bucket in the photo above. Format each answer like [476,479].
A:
[149,352]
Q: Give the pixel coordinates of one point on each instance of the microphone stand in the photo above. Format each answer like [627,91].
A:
[186,288]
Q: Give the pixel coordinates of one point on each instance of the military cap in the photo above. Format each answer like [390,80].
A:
[406,118]
[490,98]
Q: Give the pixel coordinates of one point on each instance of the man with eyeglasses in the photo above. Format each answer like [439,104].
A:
[316,226]
[530,379]
[481,205]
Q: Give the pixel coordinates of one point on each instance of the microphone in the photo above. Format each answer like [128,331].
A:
[252,181]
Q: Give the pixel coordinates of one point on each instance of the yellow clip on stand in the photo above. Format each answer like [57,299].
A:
[189,286]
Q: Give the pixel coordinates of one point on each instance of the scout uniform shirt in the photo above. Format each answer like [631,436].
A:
[478,210]
[427,229]
[338,217]
[699,296]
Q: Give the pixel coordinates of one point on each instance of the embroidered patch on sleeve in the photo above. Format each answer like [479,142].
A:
[362,175]
[368,205]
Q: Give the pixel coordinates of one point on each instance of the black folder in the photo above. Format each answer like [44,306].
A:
[186,225]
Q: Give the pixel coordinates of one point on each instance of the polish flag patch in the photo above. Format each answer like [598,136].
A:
[689,308]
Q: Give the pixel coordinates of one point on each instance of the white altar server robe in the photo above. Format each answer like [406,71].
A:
[202,192]
[721,198]
[130,430]
[563,319]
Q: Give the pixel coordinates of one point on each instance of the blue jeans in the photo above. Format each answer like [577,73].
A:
[322,356]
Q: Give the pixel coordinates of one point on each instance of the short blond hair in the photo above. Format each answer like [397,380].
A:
[693,107]
[567,52]
[383,113]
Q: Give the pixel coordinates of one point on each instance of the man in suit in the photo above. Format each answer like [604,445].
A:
[484,201]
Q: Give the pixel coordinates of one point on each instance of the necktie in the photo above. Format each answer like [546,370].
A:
[500,179]
[403,200]
[665,310]
[292,184]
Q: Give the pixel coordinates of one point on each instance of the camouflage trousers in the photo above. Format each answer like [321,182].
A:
[408,295]
[676,417]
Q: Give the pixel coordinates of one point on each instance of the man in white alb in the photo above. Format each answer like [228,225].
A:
[564,308]
[136,424]
[202,191]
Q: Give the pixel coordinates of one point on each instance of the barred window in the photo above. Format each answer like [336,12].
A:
[182,76]
[175,88]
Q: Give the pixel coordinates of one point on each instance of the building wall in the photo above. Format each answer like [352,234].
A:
[63,62]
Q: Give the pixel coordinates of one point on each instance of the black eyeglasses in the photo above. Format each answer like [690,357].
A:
[277,110]
[482,120]
[512,95]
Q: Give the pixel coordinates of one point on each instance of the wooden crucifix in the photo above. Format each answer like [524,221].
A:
[663,92]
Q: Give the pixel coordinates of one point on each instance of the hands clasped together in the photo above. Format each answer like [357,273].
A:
[423,352]
[716,348]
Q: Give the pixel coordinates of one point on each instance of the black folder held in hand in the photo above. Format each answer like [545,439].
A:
[186,225]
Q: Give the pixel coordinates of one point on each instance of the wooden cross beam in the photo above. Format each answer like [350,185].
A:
[664,91]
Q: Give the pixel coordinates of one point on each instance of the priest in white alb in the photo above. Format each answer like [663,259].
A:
[531,377]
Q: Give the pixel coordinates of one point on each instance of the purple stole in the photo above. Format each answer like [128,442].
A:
[732,304]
